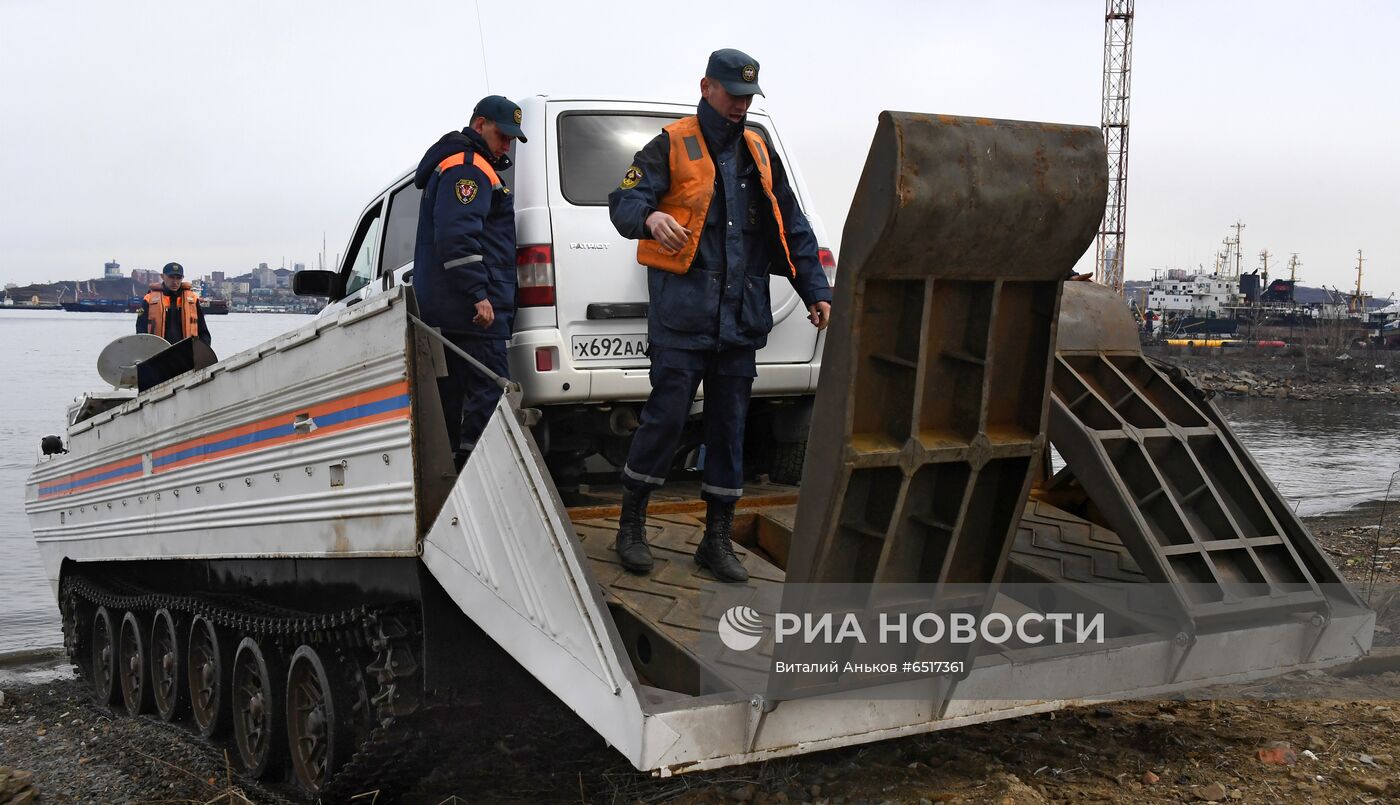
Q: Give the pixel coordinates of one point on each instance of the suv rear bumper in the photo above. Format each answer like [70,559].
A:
[572,384]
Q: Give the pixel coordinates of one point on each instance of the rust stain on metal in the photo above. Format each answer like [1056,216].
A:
[1041,169]
[341,541]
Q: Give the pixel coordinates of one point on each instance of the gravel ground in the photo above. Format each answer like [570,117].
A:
[1342,735]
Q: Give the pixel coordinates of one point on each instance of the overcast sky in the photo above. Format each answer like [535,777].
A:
[225,134]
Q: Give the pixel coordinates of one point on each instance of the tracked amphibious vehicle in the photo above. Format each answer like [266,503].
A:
[278,548]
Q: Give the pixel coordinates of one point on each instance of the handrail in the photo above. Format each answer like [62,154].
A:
[504,382]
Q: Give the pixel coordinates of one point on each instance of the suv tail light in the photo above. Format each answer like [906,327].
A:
[534,276]
[828,261]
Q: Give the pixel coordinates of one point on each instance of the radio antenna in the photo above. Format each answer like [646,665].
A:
[481,37]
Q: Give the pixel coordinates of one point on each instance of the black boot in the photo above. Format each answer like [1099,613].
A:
[716,551]
[632,546]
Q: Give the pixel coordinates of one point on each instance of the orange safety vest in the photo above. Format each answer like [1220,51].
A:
[158,306]
[692,189]
[478,161]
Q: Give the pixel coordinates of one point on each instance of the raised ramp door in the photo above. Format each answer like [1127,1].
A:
[1158,461]
[931,404]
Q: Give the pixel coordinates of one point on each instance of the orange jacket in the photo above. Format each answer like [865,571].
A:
[158,305]
[693,187]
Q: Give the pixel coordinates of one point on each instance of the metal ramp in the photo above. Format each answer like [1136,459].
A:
[931,405]
[1160,464]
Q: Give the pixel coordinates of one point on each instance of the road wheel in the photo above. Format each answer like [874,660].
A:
[259,729]
[168,657]
[77,637]
[319,727]
[134,666]
[104,660]
[209,667]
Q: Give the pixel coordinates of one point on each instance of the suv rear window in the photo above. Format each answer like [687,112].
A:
[596,148]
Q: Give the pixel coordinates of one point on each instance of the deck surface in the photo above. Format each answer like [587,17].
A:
[671,599]
[670,596]
[1051,546]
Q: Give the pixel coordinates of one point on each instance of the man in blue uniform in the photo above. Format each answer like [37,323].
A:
[464,261]
[713,213]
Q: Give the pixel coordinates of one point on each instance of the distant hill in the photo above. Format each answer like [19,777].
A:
[105,288]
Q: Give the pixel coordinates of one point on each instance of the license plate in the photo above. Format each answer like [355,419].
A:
[609,347]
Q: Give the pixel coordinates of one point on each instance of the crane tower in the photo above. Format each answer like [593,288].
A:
[1117,58]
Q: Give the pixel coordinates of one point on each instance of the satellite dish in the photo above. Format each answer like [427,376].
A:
[117,363]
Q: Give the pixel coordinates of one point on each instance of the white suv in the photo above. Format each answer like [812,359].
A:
[580,324]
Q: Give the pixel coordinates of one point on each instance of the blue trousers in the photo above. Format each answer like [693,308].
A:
[468,396]
[675,376]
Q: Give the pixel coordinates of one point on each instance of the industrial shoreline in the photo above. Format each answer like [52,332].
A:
[1142,751]
[1371,375]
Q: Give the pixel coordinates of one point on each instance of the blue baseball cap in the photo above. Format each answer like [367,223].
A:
[735,70]
[173,270]
[502,111]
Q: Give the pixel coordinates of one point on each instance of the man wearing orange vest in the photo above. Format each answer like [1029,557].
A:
[171,309]
[714,216]
[464,261]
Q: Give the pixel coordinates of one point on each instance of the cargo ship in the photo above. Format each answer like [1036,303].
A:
[103,306]
[8,303]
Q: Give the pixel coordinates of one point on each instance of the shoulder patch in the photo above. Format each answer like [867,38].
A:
[466,190]
[631,178]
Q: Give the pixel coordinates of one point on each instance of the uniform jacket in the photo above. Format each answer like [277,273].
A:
[466,237]
[722,301]
[175,306]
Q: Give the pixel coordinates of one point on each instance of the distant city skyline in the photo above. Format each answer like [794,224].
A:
[125,269]
[262,286]
[215,132]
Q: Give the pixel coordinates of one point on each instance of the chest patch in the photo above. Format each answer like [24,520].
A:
[631,178]
[466,190]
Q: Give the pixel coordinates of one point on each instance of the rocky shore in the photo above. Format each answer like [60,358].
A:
[1370,375]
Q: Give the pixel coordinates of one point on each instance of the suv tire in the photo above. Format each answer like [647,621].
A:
[785,462]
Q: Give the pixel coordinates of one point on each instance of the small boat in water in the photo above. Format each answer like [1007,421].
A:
[214,307]
[103,306]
